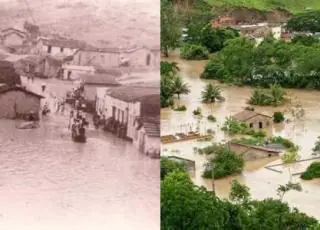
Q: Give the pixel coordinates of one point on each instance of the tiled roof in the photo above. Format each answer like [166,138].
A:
[246,115]
[7,88]
[130,94]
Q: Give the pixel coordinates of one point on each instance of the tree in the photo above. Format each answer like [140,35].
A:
[194,52]
[278,117]
[290,157]
[316,148]
[283,189]
[170,31]
[179,87]
[169,68]
[168,166]
[211,93]
[305,22]
[223,160]
[239,193]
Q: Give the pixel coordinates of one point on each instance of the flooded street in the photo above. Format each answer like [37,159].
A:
[262,182]
[49,180]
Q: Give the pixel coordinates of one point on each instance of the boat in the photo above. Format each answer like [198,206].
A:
[78,134]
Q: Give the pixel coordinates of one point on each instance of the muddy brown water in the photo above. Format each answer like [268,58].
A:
[262,182]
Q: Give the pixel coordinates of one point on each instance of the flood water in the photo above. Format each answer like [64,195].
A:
[262,182]
[49,182]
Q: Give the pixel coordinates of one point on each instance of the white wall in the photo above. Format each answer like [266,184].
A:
[13,40]
[276,32]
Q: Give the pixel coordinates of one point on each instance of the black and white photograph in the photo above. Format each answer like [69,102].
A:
[79,114]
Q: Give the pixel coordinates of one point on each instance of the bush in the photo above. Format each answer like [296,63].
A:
[235,127]
[283,141]
[180,108]
[278,117]
[194,52]
[225,162]
[168,166]
[274,96]
[313,171]
[249,108]
[197,112]
[211,118]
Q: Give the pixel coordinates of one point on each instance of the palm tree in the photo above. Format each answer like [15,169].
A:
[179,87]
[211,93]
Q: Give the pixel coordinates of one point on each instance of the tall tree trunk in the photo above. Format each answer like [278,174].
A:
[166,52]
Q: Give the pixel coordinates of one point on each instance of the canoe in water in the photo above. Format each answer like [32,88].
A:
[28,125]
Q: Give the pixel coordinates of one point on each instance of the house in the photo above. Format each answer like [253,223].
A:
[124,104]
[137,57]
[147,135]
[72,72]
[53,65]
[92,82]
[58,45]
[253,119]
[17,102]
[251,152]
[12,37]
[31,64]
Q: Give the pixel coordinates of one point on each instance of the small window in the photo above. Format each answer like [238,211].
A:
[260,125]
[49,49]
[61,49]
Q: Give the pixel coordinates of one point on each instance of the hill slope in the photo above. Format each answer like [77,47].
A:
[294,6]
[115,21]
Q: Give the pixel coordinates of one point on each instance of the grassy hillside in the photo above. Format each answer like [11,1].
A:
[117,22]
[293,6]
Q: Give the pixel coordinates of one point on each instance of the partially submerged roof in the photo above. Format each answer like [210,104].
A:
[246,115]
[13,30]
[99,79]
[131,94]
[7,88]
[64,42]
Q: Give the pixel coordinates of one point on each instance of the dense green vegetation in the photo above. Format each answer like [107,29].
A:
[278,117]
[306,22]
[170,83]
[224,161]
[313,171]
[170,29]
[266,5]
[211,93]
[194,52]
[187,206]
[233,127]
[273,62]
[167,166]
[274,96]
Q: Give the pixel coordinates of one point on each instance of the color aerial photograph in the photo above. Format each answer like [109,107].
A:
[240,128]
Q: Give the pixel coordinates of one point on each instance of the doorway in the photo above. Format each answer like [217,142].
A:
[260,125]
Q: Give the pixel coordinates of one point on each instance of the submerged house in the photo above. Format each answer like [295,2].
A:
[12,37]
[73,72]
[16,102]
[253,119]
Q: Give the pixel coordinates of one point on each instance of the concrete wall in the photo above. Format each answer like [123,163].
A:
[13,102]
[276,32]
[75,73]
[266,121]
[145,143]
[12,40]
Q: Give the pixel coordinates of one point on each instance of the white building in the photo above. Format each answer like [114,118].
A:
[73,72]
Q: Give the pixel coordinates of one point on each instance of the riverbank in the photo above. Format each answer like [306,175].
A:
[262,182]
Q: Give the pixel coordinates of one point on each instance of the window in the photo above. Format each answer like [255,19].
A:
[260,125]
[49,49]
[251,125]
[61,49]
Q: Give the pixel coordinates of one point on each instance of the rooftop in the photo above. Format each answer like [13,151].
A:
[151,125]
[131,93]
[246,115]
[6,88]
[99,79]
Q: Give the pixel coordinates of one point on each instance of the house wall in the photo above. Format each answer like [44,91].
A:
[12,39]
[24,102]
[138,58]
[152,143]
[145,143]
[75,73]
[266,121]
[102,59]
[51,70]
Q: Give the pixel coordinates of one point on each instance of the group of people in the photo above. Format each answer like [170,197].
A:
[78,120]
